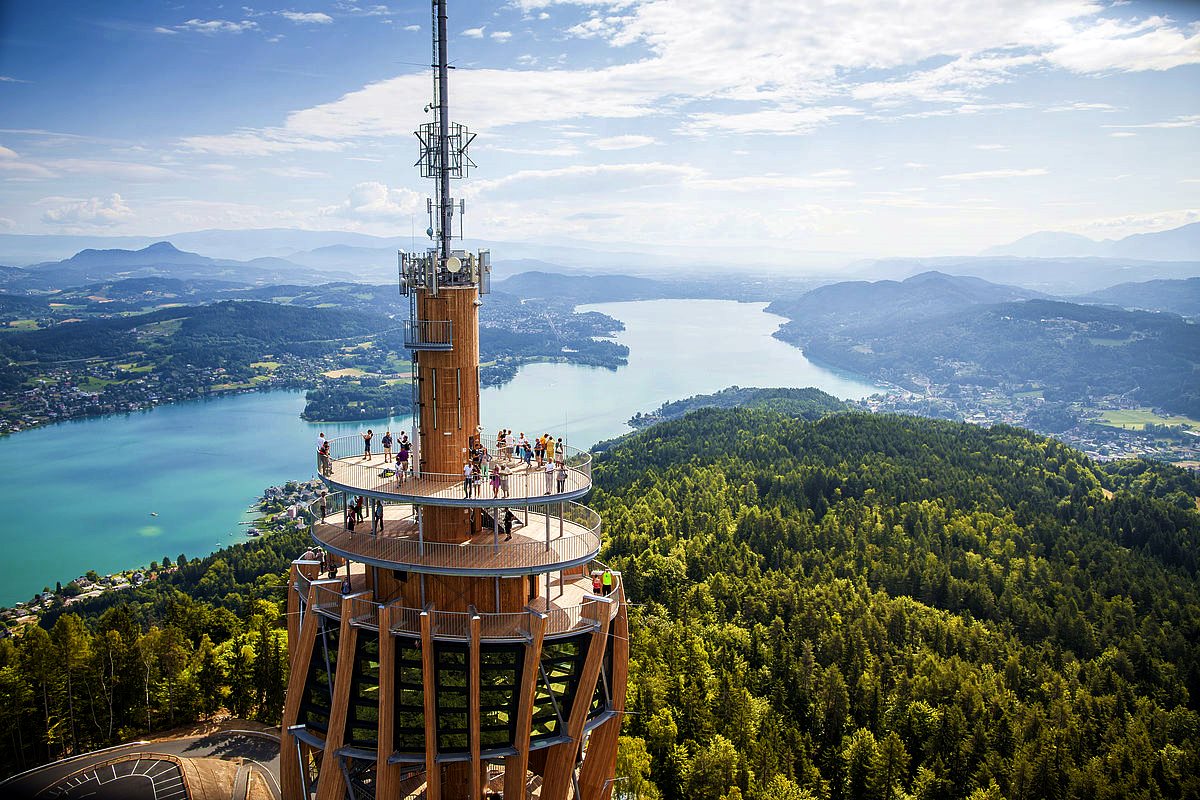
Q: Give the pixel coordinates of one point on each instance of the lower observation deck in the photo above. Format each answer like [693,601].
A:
[521,483]
[564,609]
[543,538]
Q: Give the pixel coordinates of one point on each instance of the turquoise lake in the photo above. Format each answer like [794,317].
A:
[80,495]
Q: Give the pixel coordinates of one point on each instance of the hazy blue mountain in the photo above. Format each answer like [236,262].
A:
[1177,244]
[855,303]
[1049,244]
[21,249]
[161,259]
[1060,276]
[1178,297]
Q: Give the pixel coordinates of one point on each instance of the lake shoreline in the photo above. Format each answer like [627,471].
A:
[91,485]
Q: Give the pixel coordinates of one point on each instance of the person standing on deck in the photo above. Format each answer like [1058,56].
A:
[496,481]
[503,479]
[607,580]
[550,447]
[367,445]
[387,447]
[560,475]
[468,478]
[549,477]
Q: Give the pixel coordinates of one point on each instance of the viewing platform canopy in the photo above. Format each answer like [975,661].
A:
[348,471]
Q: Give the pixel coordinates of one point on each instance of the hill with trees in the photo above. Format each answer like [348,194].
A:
[939,329]
[860,606]
[873,606]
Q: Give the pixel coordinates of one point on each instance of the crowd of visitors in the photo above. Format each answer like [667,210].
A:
[513,454]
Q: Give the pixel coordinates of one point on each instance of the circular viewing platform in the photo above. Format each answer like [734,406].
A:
[565,610]
[541,538]
[521,483]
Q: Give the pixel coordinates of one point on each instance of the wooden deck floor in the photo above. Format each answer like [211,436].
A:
[533,547]
[525,483]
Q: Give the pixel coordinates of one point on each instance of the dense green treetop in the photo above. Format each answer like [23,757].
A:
[873,606]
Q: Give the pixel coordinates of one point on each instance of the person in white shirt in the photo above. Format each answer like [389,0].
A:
[549,477]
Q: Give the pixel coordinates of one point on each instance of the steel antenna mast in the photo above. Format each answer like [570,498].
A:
[443,108]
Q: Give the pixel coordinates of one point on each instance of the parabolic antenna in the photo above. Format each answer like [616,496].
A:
[453,264]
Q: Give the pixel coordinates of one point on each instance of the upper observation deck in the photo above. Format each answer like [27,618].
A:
[540,539]
[521,483]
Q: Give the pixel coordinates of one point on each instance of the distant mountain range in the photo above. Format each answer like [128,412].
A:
[857,303]
[1177,244]
[1059,276]
[951,329]
[1178,297]
[158,260]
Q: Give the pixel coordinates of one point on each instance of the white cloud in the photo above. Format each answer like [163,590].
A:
[11,79]
[991,147]
[761,183]
[1078,106]
[1134,46]
[375,202]
[554,150]
[289,172]
[1189,121]
[473,33]
[7,224]
[306,17]
[584,177]
[1122,134]
[92,212]
[114,170]
[995,173]
[18,169]
[501,36]
[1127,224]
[167,31]
[412,27]
[263,142]
[771,120]
[626,142]
[213,26]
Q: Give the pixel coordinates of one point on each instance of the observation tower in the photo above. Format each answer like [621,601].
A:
[454,645]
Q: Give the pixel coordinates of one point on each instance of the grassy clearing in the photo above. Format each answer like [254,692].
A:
[269,366]
[1137,419]
[23,324]
[347,372]
[92,384]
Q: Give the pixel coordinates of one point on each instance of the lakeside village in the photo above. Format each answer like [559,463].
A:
[96,387]
[1122,429]
[277,510]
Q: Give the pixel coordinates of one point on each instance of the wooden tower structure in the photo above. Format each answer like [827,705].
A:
[451,644]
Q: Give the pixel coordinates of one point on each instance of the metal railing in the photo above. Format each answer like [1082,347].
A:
[546,536]
[429,334]
[520,482]
[455,625]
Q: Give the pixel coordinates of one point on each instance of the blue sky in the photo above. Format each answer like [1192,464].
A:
[857,127]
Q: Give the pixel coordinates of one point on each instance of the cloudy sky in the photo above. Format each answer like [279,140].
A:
[857,126]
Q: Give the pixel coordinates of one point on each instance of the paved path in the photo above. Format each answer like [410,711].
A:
[261,752]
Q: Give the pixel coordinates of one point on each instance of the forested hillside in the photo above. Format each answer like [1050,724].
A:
[1074,353]
[881,607]
[861,606]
